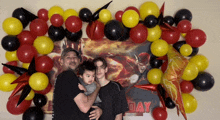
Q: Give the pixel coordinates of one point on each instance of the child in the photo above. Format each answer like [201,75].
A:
[87,72]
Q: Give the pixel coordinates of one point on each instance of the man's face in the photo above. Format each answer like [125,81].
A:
[100,70]
[70,61]
[88,76]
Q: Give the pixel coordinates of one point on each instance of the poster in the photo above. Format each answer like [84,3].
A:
[128,64]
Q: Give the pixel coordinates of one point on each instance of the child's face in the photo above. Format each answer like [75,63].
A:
[88,76]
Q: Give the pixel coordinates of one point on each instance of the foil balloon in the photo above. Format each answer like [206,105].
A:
[171,77]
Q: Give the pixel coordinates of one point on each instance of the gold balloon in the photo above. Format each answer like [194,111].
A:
[200,61]
[12,26]
[43,45]
[191,72]
[130,18]
[186,50]
[154,76]
[30,96]
[159,48]
[11,56]
[69,12]
[5,82]
[55,10]
[189,102]
[149,8]
[154,33]
[38,81]
[25,65]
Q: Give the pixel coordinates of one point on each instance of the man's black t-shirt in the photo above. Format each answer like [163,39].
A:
[113,100]
[66,89]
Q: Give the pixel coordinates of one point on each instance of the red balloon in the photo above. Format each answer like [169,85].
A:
[186,86]
[25,37]
[56,20]
[25,53]
[195,37]
[118,15]
[38,27]
[43,64]
[164,66]
[7,70]
[132,8]
[139,33]
[73,24]
[159,113]
[95,30]
[21,108]
[184,26]
[45,91]
[171,36]
[43,14]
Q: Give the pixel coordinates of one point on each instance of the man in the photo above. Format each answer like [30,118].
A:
[114,102]
[69,102]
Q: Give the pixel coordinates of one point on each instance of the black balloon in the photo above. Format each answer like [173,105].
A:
[155,63]
[33,113]
[182,14]
[178,44]
[150,21]
[203,82]
[10,43]
[194,51]
[95,15]
[169,103]
[20,14]
[73,36]
[56,33]
[40,100]
[114,30]
[169,20]
[126,34]
[85,15]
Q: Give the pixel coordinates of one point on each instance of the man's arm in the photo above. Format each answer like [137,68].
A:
[118,116]
[84,102]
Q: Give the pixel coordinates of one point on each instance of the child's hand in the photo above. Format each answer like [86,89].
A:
[81,87]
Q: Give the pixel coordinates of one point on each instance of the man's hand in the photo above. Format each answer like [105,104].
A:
[95,114]
[81,87]
[97,84]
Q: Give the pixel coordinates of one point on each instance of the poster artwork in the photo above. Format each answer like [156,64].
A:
[128,64]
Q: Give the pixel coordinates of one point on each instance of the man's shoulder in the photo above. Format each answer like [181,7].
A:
[67,72]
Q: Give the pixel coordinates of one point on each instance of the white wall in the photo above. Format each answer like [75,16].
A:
[206,16]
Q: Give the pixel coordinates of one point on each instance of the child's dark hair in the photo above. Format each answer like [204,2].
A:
[102,60]
[86,65]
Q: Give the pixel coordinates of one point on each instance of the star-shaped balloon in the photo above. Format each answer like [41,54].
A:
[22,80]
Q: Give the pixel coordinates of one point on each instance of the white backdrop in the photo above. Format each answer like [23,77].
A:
[206,16]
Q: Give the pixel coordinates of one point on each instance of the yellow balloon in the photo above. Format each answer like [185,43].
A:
[149,8]
[159,48]
[12,26]
[200,61]
[11,55]
[154,76]
[189,102]
[186,50]
[105,16]
[43,45]
[55,10]
[30,96]
[25,65]
[130,18]
[69,12]
[183,34]
[191,72]
[5,82]
[38,81]
[154,33]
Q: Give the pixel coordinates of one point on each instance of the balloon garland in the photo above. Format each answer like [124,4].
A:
[176,67]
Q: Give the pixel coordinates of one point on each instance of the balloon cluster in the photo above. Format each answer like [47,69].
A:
[140,25]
